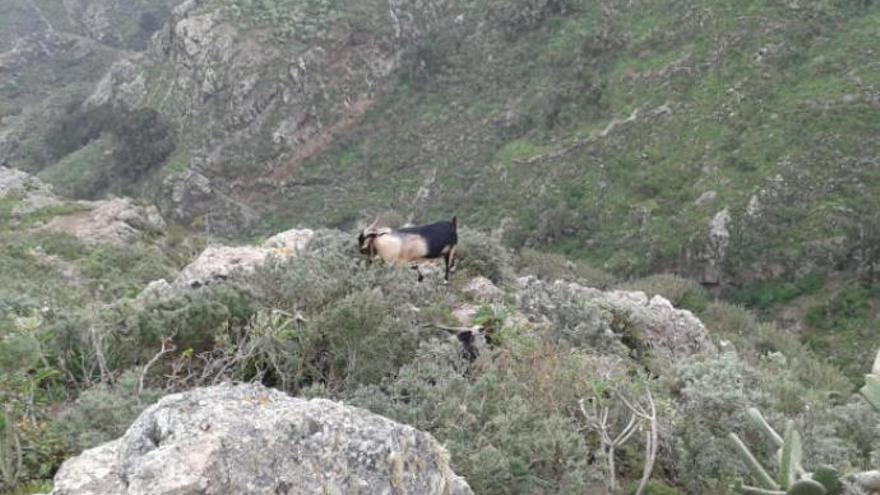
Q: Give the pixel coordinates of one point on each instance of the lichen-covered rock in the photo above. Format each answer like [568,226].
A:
[33,193]
[248,439]
[115,221]
[217,263]
[603,319]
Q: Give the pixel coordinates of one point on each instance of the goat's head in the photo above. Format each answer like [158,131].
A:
[367,235]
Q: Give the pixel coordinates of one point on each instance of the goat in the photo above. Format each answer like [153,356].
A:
[411,244]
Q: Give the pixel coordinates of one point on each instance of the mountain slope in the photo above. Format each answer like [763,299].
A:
[734,144]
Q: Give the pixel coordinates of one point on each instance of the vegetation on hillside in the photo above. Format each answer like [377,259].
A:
[595,140]
[81,359]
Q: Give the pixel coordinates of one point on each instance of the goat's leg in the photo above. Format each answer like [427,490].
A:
[416,268]
[450,261]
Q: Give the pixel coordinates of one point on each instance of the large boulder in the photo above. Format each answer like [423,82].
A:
[248,439]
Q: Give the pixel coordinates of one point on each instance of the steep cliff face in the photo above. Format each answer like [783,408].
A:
[252,103]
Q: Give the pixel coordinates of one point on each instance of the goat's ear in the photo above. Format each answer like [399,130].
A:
[455,221]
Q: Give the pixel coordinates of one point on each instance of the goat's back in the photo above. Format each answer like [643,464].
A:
[439,236]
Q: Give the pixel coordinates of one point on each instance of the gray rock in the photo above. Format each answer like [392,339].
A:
[34,193]
[706,198]
[290,241]
[716,247]
[123,85]
[482,289]
[217,263]
[117,221]
[668,332]
[248,439]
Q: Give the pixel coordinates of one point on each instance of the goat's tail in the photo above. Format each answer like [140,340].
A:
[455,222]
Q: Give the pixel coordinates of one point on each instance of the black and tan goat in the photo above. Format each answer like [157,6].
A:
[411,245]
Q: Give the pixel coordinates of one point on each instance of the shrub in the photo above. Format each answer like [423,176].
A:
[194,320]
[524,15]
[358,340]
[681,292]
[103,413]
[77,127]
[480,254]
[572,319]
[712,395]
[552,266]
[145,141]
[509,421]
[728,320]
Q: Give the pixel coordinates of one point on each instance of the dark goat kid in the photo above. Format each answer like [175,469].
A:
[411,245]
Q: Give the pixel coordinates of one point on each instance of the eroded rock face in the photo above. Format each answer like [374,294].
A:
[248,439]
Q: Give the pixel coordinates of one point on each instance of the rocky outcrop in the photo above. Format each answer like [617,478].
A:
[249,439]
[217,263]
[643,324]
[116,221]
[33,193]
[706,254]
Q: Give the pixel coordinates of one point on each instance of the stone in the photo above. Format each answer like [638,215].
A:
[116,221]
[482,289]
[34,193]
[291,241]
[217,263]
[250,439]
[707,198]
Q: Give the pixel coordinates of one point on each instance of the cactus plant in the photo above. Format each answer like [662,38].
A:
[791,479]
[10,451]
[790,457]
[806,487]
[754,466]
[871,390]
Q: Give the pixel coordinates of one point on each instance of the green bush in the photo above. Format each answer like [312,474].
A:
[358,340]
[480,254]
[194,320]
[145,141]
[711,397]
[103,413]
[516,17]
[766,293]
[77,127]
[510,424]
